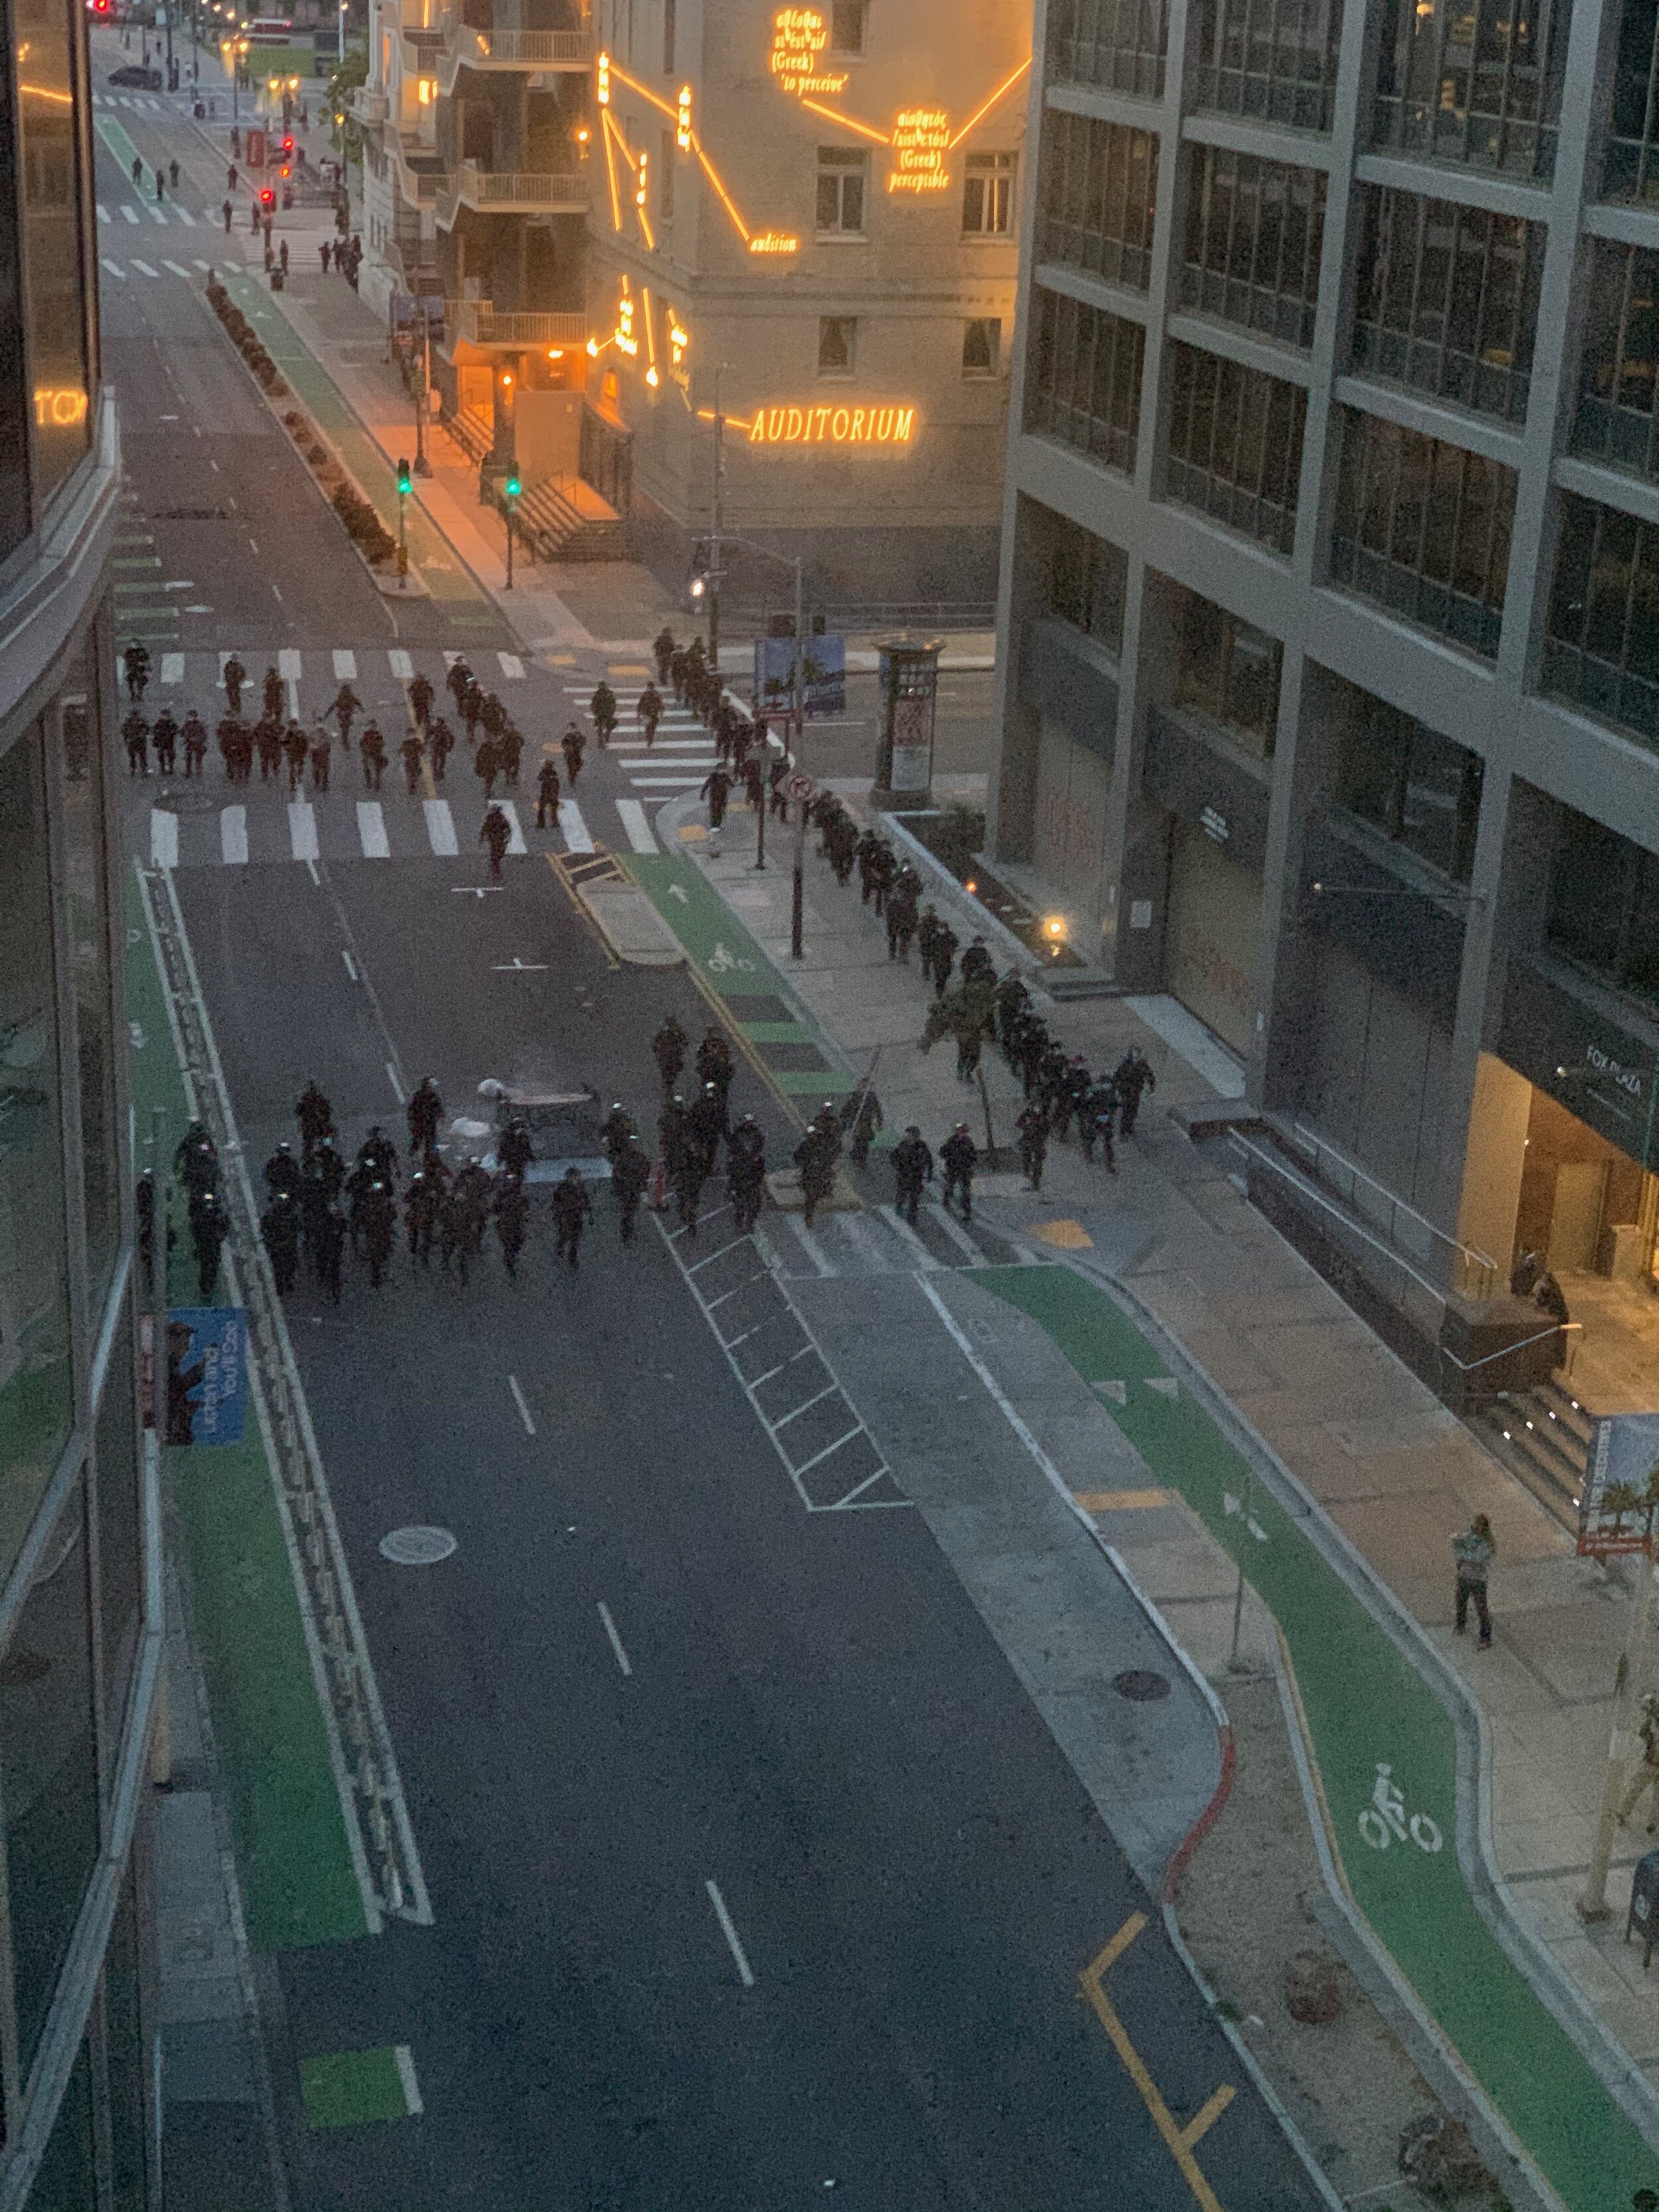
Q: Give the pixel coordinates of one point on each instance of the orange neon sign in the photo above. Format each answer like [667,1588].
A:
[774,242]
[59,404]
[800,37]
[832,426]
[921,140]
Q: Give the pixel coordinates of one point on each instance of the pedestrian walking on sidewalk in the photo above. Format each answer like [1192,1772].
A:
[1474,1552]
[1647,1774]
[496,833]
[323,251]
[913,1166]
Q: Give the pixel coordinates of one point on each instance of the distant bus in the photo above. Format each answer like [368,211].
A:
[270,31]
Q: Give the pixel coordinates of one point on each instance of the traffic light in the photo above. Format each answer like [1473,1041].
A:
[287,145]
[267,197]
[512,486]
[406,479]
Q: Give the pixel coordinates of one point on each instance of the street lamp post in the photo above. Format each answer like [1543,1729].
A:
[422,398]
[714,533]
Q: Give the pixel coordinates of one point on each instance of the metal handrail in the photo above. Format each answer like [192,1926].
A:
[1469,1366]
[1480,1263]
[1355,1227]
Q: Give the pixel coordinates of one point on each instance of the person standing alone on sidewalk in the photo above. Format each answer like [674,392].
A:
[1474,1552]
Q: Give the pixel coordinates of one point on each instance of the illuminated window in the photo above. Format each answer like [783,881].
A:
[668,38]
[837,344]
[846,21]
[843,176]
[987,195]
[981,346]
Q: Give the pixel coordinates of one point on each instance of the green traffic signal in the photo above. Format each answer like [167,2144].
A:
[512,486]
[406,480]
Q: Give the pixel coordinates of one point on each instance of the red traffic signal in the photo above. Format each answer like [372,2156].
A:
[267,198]
[288,145]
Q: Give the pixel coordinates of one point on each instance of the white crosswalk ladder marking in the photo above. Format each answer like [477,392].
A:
[200,263]
[163,838]
[441,828]
[402,666]
[128,214]
[143,267]
[103,213]
[156,216]
[233,836]
[302,829]
[345,664]
[512,666]
[515,844]
[638,829]
[113,267]
[177,271]
[287,667]
[666,782]
[173,668]
[371,830]
[576,837]
[186,217]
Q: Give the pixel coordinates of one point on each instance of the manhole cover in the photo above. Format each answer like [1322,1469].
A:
[1139,1684]
[424,1547]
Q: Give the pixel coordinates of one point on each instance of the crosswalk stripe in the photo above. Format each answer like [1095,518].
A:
[143,267]
[128,214]
[441,828]
[943,1219]
[113,267]
[576,833]
[402,666]
[345,664]
[163,838]
[638,829]
[104,215]
[512,666]
[186,217]
[233,836]
[157,216]
[666,782]
[450,658]
[177,271]
[287,667]
[371,830]
[907,1236]
[515,844]
[302,829]
[200,263]
[173,668]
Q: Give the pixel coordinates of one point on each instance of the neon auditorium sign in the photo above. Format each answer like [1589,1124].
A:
[832,426]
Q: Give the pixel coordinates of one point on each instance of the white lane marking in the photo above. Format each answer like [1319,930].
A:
[200,263]
[441,828]
[809,1243]
[616,1640]
[103,213]
[345,665]
[287,667]
[397,1083]
[113,267]
[177,271]
[316,880]
[942,1217]
[163,838]
[512,666]
[666,782]
[131,214]
[350,964]
[524,1410]
[924,1259]
[302,829]
[371,830]
[411,2088]
[745,1972]
[173,668]
[143,267]
[515,844]
[576,836]
[156,216]
[233,836]
[188,219]
[634,822]
[402,666]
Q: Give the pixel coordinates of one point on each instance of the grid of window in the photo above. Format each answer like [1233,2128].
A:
[843,174]
[1120,44]
[56,289]
[1274,61]
[1254,232]
[1097,202]
[1228,670]
[1604,905]
[1617,420]
[1602,645]
[1473,81]
[1088,577]
[1446,299]
[1423,528]
[1235,447]
[1628,169]
[988,196]
[1418,788]
[1084,384]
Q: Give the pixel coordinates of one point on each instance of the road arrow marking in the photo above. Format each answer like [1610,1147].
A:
[1117,1392]
[1165,1385]
[678,891]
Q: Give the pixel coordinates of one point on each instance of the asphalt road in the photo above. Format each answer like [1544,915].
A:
[880,1992]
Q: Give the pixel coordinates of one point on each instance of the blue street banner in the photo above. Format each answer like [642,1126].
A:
[207,1369]
[823,675]
[1621,1486]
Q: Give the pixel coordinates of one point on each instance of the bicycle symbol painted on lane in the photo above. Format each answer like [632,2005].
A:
[721,961]
[1385,1819]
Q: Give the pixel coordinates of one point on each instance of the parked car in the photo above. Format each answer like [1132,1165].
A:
[136,77]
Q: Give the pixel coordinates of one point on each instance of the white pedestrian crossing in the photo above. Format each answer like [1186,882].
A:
[441,828]
[233,836]
[302,829]
[157,216]
[345,664]
[104,215]
[287,667]
[371,830]
[163,838]
[666,782]
[515,844]
[577,835]
[512,666]
[143,267]
[186,217]
[128,214]
[113,267]
[173,668]
[638,829]
[177,271]
[402,666]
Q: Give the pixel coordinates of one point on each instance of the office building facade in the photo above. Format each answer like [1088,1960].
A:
[1330,704]
[80,1572]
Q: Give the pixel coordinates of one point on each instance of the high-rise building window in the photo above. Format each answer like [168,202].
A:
[1601,649]
[837,344]
[1235,447]
[1446,299]
[1274,61]
[1084,383]
[15,407]
[1097,198]
[1604,905]
[1480,84]
[1087,578]
[1418,788]
[85,885]
[981,346]
[1255,233]
[848,26]
[843,175]
[56,286]
[1617,420]
[987,195]
[1629,169]
[1120,43]
[1423,528]
[1228,670]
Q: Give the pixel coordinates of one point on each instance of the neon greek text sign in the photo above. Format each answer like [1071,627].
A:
[832,426]
[921,143]
[799,38]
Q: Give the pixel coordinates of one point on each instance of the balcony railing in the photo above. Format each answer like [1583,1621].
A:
[470,47]
[369,106]
[479,323]
[511,191]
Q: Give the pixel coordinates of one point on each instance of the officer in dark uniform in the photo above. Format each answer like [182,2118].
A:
[497,833]
[234,679]
[958,1156]
[1133,1075]
[977,965]
[380,1229]
[373,748]
[420,699]
[662,651]
[512,1216]
[630,1171]
[614,1131]
[136,731]
[547,797]
[327,1242]
[421,1203]
[379,1153]
[668,1048]
[816,1157]
[442,740]
[209,1229]
[515,1152]
[164,735]
[283,1176]
[746,1153]
[913,1166]
[1033,1127]
[1096,1114]
[279,1231]
[863,1120]
[426,1113]
[945,952]
[196,1162]
[705,1125]
[603,708]
[412,752]
[571,1207]
[194,733]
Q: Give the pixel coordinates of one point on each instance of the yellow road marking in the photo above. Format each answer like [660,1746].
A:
[627,668]
[1119,1501]
[1064,1236]
[1178,2139]
[561,660]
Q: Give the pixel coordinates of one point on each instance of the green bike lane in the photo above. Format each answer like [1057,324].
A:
[299,1886]
[1366,1706]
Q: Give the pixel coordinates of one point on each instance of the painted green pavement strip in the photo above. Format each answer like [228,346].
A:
[1366,1704]
[347,2088]
[732,965]
[299,1886]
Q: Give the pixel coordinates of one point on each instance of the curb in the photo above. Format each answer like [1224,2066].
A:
[1636,2097]
[981,922]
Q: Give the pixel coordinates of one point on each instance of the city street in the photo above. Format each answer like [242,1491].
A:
[755,1870]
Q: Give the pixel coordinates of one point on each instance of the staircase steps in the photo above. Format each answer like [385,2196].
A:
[1543,1436]
[566,520]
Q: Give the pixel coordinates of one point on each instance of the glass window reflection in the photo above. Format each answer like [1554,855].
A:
[54,282]
[88,909]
